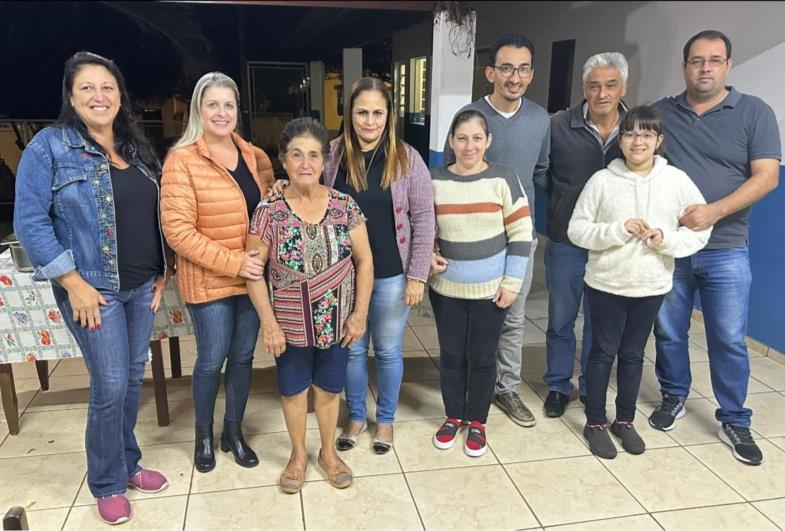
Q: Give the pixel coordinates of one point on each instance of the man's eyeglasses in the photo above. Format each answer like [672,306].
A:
[507,69]
[698,62]
[646,135]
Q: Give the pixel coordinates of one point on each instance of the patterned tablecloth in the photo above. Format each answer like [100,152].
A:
[32,328]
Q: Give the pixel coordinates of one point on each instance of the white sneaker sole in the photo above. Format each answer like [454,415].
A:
[146,491]
[724,438]
[679,415]
[445,445]
[475,453]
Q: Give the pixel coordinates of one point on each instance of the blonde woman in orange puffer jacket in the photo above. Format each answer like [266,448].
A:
[212,181]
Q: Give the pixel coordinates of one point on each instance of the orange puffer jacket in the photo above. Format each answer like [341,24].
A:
[205,220]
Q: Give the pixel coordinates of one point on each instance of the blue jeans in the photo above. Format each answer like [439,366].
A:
[387,316]
[226,330]
[565,266]
[722,277]
[115,355]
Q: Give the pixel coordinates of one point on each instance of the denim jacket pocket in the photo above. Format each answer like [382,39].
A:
[66,174]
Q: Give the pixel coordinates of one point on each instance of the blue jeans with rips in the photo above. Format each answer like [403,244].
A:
[565,266]
[115,355]
[722,278]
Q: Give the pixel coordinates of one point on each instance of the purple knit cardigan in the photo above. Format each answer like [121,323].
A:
[412,195]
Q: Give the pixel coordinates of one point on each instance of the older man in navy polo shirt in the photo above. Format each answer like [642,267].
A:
[729,144]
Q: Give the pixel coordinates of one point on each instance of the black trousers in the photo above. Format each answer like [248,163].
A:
[468,336]
[620,326]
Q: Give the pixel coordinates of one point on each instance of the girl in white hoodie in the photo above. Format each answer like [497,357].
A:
[628,218]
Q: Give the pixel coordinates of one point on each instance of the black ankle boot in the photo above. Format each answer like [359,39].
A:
[232,439]
[204,454]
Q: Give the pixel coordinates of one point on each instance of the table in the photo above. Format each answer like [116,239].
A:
[32,330]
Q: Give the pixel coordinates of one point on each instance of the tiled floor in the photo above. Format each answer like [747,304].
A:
[541,477]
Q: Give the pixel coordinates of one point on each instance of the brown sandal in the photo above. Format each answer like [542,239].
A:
[292,480]
[339,475]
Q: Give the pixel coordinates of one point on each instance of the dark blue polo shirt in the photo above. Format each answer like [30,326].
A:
[715,150]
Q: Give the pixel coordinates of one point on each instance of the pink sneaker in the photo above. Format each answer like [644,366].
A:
[148,481]
[114,509]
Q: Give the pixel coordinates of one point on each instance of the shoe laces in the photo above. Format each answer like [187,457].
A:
[739,435]
[600,427]
[517,403]
[624,424]
[670,404]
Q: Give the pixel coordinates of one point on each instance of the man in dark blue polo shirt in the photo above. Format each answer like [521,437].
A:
[729,145]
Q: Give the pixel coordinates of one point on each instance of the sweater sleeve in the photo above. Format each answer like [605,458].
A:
[685,241]
[420,192]
[584,230]
[178,218]
[542,167]
[518,229]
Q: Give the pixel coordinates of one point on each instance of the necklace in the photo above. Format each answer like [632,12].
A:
[373,155]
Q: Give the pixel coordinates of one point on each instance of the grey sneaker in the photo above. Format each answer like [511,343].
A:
[630,440]
[511,403]
[599,441]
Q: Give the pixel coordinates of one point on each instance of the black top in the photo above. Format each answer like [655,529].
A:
[242,175]
[139,253]
[377,205]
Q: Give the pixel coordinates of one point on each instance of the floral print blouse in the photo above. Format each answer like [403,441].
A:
[309,270]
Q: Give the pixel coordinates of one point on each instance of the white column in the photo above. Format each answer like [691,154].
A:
[452,73]
[352,69]
[316,76]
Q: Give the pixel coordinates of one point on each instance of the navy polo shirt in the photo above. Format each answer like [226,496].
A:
[715,150]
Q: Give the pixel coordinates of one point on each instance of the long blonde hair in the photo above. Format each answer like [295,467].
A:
[352,159]
[195,126]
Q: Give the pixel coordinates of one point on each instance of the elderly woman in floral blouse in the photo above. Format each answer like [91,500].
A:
[315,245]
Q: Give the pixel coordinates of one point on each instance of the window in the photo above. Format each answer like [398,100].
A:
[418,103]
[400,88]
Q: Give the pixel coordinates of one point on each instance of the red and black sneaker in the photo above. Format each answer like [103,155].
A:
[447,434]
[476,443]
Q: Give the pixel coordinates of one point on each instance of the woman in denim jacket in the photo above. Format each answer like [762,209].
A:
[86,213]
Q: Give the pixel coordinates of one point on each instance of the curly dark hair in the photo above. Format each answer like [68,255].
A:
[130,141]
[303,127]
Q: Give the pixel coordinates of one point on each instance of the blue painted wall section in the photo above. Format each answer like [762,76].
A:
[767,258]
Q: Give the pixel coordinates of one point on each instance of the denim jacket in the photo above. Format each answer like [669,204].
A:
[64,208]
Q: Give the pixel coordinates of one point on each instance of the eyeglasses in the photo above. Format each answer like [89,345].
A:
[508,69]
[646,135]
[698,62]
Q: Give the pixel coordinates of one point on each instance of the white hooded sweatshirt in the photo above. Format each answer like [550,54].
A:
[623,264]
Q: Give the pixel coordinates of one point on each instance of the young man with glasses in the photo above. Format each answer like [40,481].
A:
[584,139]
[521,140]
[729,145]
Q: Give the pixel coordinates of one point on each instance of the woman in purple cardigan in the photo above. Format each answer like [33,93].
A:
[392,185]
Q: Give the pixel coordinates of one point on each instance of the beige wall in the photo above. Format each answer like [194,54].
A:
[650,34]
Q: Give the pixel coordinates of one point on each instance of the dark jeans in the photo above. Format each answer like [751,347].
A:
[620,325]
[226,330]
[468,336]
[115,355]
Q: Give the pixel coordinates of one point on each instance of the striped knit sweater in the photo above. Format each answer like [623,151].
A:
[483,229]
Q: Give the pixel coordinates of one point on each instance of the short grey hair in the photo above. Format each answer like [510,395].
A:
[607,60]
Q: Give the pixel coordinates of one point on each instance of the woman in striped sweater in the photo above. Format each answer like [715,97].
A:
[484,233]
